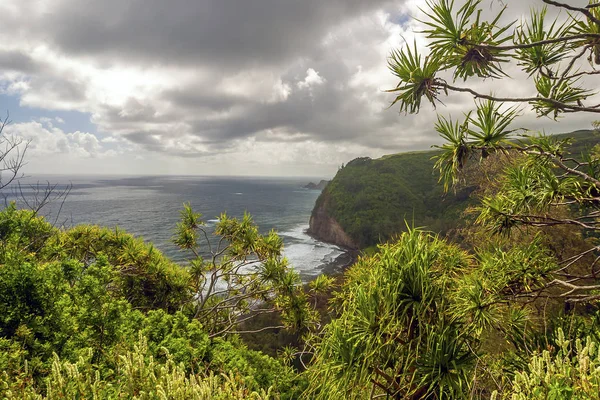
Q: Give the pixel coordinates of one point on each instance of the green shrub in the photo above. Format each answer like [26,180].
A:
[138,375]
[571,371]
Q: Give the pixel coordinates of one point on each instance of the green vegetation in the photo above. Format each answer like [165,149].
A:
[396,315]
[90,312]
[372,199]
[509,312]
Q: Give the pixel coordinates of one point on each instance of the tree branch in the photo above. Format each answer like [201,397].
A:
[584,10]
[444,85]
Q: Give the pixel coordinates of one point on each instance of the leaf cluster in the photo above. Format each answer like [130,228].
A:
[461,42]
[413,318]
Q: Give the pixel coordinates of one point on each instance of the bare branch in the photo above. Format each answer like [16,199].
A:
[563,106]
[584,10]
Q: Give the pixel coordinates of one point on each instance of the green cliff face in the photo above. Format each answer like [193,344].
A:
[369,201]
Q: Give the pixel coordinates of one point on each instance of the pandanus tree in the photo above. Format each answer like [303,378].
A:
[240,275]
[416,320]
[413,319]
[545,186]
[397,334]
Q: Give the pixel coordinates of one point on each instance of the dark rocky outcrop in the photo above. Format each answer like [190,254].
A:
[317,186]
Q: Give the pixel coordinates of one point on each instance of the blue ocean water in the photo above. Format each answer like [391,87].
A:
[149,207]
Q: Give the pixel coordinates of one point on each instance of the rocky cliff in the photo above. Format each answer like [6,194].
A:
[371,200]
[327,229]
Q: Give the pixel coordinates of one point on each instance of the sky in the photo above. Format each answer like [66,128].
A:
[219,87]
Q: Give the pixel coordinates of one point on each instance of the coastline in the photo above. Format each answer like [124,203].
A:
[341,263]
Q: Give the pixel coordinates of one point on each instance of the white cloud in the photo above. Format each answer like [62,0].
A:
[312,79]
[110,139]
[48,140]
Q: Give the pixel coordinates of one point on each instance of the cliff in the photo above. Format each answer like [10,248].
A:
[369,201]
[327,229]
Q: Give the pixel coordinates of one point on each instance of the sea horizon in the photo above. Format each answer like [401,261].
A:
[309,178]
[148,207]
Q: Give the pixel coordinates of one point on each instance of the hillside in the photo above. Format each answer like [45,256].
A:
[369,200]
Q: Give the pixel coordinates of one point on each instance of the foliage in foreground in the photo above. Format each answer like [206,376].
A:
[424,319]
[572,372]
[414,318]
[137,375]
[397,334]
[86,295]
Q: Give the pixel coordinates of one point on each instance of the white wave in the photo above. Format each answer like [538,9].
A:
[299,233]
[307,254]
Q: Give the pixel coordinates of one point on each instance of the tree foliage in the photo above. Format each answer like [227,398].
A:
[396,333]
[244,276]
[548,186]
[74,303]
[415,320]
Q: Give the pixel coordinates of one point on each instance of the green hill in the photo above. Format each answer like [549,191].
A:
[372,199]
[369,200]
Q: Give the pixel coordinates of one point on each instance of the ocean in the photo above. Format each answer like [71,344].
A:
[149,207]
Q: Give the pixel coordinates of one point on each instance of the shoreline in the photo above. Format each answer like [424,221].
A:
[341,263]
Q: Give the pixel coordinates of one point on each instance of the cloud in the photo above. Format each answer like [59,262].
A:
[18,61]
[312,79]
[45,139]
[225,83]
[226,33]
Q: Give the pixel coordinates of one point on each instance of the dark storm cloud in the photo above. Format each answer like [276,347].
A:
[201,99]
[328,111]
[19,61]
[244,68]
[227,33]
[146,139]
[316,114]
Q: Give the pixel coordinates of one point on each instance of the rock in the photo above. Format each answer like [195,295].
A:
[327,229]
[318,186]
